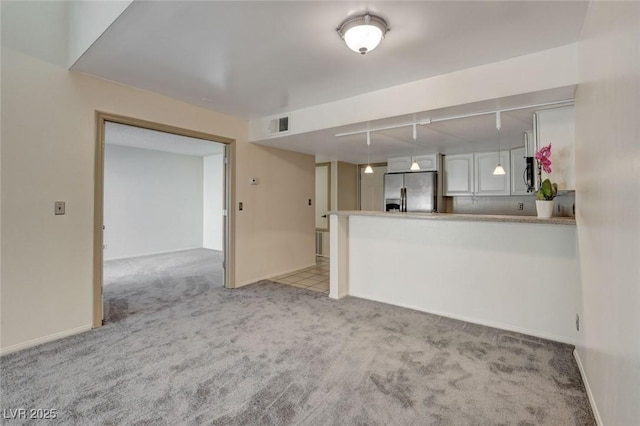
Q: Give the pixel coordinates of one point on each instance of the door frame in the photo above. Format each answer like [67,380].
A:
[98,203]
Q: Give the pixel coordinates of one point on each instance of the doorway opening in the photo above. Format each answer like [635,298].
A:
[162,223]
[316,278]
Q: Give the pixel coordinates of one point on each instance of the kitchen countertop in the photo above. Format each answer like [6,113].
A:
[460,217]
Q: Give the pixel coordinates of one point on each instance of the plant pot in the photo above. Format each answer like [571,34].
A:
[544,208]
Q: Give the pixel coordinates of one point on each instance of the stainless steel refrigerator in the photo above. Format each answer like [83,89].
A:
[410,192]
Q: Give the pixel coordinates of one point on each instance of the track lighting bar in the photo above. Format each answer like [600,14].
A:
[454,117]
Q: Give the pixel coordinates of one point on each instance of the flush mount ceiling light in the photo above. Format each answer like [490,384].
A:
[363,33]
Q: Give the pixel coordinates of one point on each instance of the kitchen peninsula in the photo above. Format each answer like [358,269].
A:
[517,273]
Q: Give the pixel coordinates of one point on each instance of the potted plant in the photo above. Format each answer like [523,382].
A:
[547,190]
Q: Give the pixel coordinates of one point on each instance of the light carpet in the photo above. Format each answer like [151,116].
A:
[179,349]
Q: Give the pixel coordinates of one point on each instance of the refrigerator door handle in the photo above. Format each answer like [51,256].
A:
[405,200]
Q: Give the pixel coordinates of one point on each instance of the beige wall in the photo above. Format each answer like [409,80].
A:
[608,206]
[48,148]
[347,186]
[372,189]
[275,232]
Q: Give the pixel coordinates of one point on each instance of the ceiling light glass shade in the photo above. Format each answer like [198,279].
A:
[414,166]
[363,33]
[499,170]
[368,169]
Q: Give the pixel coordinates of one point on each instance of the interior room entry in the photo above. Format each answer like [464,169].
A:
[162,193]
[162,200]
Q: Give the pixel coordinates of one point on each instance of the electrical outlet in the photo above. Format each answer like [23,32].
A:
[59,207]
[577,322]
[520,206]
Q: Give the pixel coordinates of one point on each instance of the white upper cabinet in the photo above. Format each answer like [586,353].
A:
[458,174]
[486,183]
[556,126]
[427,163]
[398,164]
[472,174]
[518,166]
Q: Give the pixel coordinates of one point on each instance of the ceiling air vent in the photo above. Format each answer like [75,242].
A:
[279,125]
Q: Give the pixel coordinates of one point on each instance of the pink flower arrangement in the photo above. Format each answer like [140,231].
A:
[544,158]
[546,190]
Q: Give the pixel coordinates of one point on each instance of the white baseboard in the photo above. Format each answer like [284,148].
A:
[480,321]
[44,339]
[592,401]
[153,253]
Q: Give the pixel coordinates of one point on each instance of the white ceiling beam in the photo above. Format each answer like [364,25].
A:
[539,71]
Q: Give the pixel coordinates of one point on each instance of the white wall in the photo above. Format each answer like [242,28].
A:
[26,27]
[608,208]
[153,202]
[514,276]
[212,201]
[88,20]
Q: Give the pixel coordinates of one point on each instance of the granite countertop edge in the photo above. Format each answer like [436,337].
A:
[460,217]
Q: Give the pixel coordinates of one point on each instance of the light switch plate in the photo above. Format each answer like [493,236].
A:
[59,207]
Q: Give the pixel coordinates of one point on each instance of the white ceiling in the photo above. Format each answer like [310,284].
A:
[257,59]
[137,137]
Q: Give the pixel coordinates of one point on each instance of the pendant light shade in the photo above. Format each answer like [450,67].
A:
[368,169]
[363,33]
[499,170]
[414,164]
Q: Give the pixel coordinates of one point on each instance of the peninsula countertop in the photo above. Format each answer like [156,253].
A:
[571,221]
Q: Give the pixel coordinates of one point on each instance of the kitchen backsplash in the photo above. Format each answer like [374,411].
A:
[563,207]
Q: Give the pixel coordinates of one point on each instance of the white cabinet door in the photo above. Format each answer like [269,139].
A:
[518,166]
[458,174]
[427,163]
[557,127]
[323,195]
[486,183]
[398,164]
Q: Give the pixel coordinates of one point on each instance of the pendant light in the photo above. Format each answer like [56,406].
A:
[368,169]
[414,165]
[499,170]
